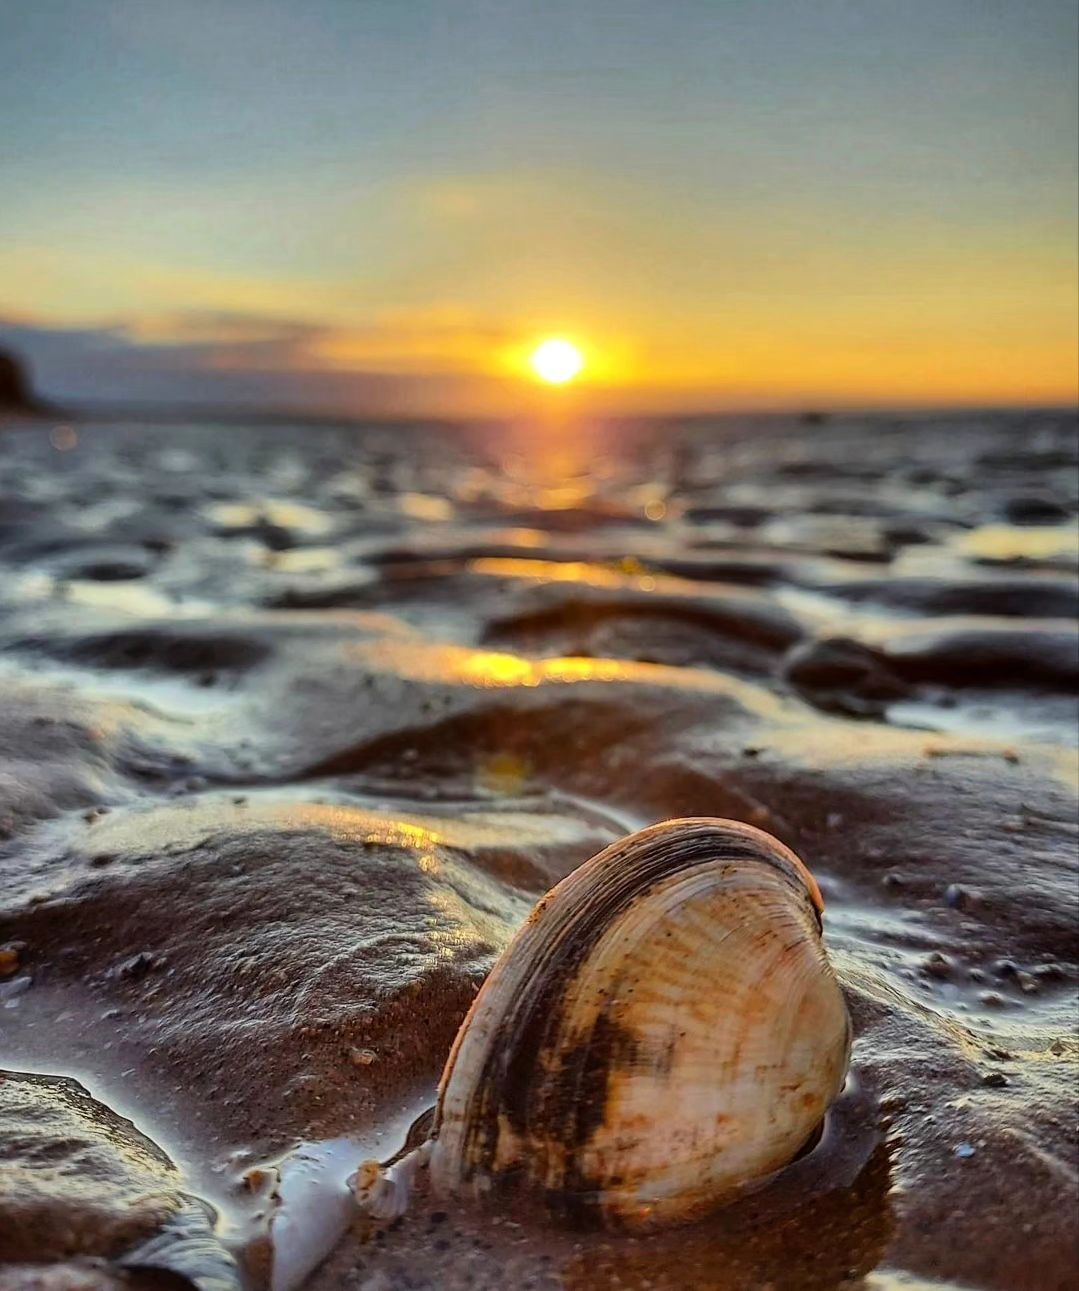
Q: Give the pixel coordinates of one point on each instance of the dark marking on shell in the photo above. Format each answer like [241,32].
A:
[581,1091]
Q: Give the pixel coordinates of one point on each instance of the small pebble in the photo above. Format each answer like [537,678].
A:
[964,1151]
[9,959]
[139,965]
[937,965]
[256,1179]
[11,990]
[362,1057]
[995,1079]
[959,897]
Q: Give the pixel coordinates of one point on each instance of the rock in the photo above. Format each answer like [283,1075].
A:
[1043,598]
[76,1179]
[104,564]
[74,1275]
[1045,658]
[1035,508]
[841,675]
[308,931]
[16,392]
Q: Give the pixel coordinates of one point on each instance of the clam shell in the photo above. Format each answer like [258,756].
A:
[188,1248]
[664,1032]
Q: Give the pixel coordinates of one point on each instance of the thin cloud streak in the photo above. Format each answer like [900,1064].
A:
[231,362]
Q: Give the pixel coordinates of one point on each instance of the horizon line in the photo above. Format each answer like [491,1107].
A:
[164,413]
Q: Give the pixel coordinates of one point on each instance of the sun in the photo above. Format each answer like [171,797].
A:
[556,361]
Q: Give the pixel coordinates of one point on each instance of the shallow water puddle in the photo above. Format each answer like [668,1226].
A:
[313,1204]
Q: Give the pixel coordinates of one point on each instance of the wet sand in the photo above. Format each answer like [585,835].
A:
[298,723]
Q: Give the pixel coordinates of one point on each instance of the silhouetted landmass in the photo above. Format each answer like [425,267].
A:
[16,390]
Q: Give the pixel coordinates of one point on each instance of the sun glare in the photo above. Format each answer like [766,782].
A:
[556,361]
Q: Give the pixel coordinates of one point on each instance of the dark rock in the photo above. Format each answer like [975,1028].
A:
[1044,598]
[743,517]
[841,675]
[14,383]
[960,898]
[16,390]
[736,631]
[1035,508]
[77,1179]
[1043,658]
[139,965]
[906,534]
[937,965]
[176,648]
[105,564]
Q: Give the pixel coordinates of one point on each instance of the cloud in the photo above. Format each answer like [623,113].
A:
[408,364]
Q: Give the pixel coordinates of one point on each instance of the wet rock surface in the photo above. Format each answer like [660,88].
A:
[298,724]
[76,1179]
[81,1275]
[843,675]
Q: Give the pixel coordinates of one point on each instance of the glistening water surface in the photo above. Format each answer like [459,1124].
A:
[299,721]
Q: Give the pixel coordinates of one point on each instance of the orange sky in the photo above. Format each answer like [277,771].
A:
[840,208]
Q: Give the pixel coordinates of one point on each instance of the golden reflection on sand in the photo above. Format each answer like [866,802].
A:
[488,668]
[1005,542]
[505,775]
[453,665]
[550,571]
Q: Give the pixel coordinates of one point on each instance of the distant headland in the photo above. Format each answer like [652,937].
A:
[17,397]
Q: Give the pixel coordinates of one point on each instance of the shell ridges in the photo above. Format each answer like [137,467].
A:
[664,1031]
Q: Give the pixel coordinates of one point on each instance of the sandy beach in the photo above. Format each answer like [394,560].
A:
[300,721]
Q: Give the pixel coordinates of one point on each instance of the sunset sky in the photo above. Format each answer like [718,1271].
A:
[350,204]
